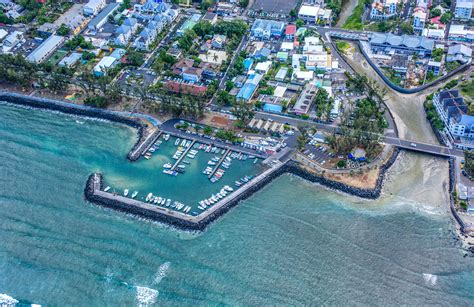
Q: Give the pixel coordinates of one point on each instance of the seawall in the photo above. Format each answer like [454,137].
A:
[196,224]
[79,110]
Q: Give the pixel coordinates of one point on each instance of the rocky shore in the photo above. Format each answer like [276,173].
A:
[80,110]
[195,224]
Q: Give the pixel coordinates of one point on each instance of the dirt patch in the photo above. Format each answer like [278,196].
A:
[365,180]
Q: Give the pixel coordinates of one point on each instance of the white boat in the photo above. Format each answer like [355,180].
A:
[106,189]
[125,192]
[176,143]
[166,137]
[134,194]
[167,165]
[163,201]
[148,197]
[155,201]
[211,163]
[168,202]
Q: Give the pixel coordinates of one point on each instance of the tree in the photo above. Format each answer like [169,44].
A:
[446,18]
[435,12]
[203,28]
[469,162]
[224,98]
[185,42]
[135,58]
[243,111]
[406,28]
[299,23]
[63,30]
[87,56]
[293,13]
[243,3]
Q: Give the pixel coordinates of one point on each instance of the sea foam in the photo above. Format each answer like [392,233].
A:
[146,295]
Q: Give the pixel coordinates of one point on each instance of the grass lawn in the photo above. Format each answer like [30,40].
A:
[343,46]
[467,89]
[354,22]
[56,57]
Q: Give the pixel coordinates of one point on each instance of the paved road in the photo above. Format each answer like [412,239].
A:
[401,143]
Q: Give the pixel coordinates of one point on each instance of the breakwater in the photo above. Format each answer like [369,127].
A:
[94,194]
[80,110]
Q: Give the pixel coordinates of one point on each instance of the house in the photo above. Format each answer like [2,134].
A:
[70,60]
[104,64]
[98,21]
[263,67]
[225,8]
[419,19]
[464,9]
[301,77]
[118,53]
[266,29]
[286,46]
[218,41]
[13,39]
[282,56]
[148,35]
[436,21]
[47,29]
[179,86]
[248,62]
[461,33]
[191,74]
[434,67]
[383,9]
[454,112]
[399,63]
[436,34]
[314,13]
[93,7]
[281,74]
[125,31]
[239,80]
[460,53]
[3,34]
[210,17]
[389,44]
[262,53]
[290,32]
[250,86]
[43,51]
[305,100]
[76,24]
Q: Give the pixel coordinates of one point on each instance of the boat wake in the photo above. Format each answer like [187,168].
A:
[146,296]
[6,300]
[430,279]
[162,272]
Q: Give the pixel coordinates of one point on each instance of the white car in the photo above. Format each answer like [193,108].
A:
[412,144]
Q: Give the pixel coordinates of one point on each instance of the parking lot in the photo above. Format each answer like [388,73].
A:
[136,77]
[318,152]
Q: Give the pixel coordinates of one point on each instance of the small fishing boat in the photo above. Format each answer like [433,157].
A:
[176,143]
[107,189]
[148,197]
[166,137]
[125,192]
[167,165]
[134,194]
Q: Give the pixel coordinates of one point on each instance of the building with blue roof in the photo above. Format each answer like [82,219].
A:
[272,108]
[388,43]
[248,62]
[250,86]
[266,29]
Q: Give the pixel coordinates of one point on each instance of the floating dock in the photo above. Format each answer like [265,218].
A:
[219,163]
[183,155]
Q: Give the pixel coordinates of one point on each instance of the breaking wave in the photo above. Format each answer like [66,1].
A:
[146,296]
[6,300]
[430,279]
[162,271]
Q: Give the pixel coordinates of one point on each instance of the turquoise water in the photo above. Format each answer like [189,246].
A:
[292,243]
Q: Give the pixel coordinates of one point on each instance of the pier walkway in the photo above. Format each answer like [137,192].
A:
[142,148]
[219,163]
[183,155]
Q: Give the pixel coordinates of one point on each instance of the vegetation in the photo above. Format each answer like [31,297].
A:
[450,66]
[243,111]
[342,46]
[63,30]
[446,17]
[78,41]
[224,98]
[467,89]
[469,162]
[451,84]
[323,103]
[363,125]
[354,22]
[437,54]
[406,28]
[433,116]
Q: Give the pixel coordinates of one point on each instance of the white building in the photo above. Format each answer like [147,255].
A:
[314,14]
[93,7]
[105,63]
[13,38]
[46,49]
[464,9]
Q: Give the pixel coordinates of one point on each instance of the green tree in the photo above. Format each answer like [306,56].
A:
[446,18]
[203,28]
[299,23]
[63,30]
[243,111]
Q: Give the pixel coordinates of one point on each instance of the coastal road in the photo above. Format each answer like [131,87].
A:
[432,149]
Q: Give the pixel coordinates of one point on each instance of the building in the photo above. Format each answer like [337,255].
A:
[70,60]
[263,67]
[436,34]
[305,100]
[93,7]
[225,8]
[313,14]
[47,29]
[250,86]
[46,49]
[179,86]
[266,29]
[383,9]
[124,33]
[210,17]
[76,24]
[3,34]
[389,44]
[104,64]
[98,21]
[13,39]
[461,33]
[464,9]
[218,41]
[454,112]
[290,32]
[281,74]
[419,19]
[434,67]
[147,35]
[460,53]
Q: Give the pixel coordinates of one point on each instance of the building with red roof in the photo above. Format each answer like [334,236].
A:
[290,32]
[186,88]
[437,21]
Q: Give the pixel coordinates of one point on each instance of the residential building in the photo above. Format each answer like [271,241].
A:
[290,32]
[399,63]
[225,8]
[266,29]
[218,41]
[76,24]
[419,19]
[263,67]
[454,112]
[125,32]
[281,74]
[434,67]
[436,34]
[104,64]
[389,44]
[93,7]
[147,35]
[313,14]
[46,49]
[210,17]
[47,29]
[383,9]
[98,21]
[191,74]
[3,34]
[70,60]
[464,9]
[180,86]
[460,53]
[13,39]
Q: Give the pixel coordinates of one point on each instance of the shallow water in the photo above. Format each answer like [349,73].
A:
[291,243]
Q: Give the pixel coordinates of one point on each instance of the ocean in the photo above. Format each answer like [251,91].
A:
[292,243]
